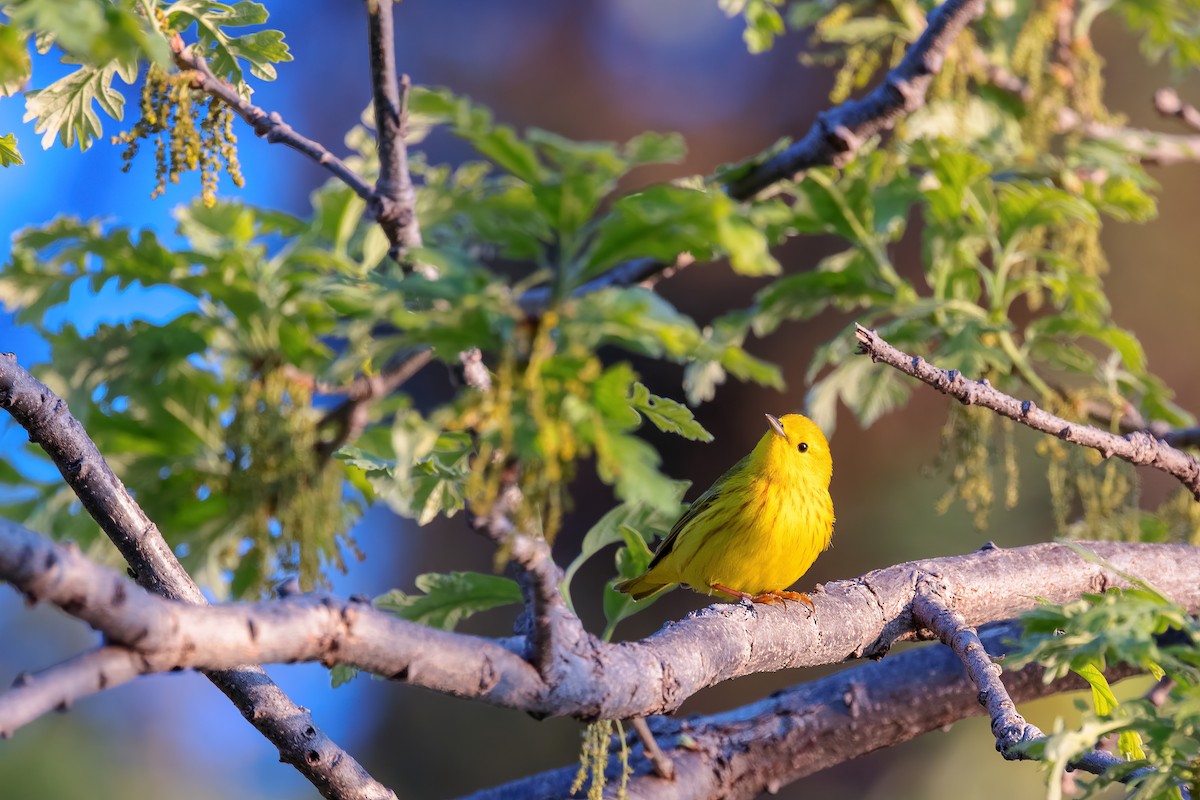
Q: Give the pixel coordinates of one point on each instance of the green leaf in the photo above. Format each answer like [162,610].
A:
[64,108]
[632,560]
[260,50]
[867,389]
[635,318]
[95,32]
[1025,207]
[649,520]
[668,415]
[9,155]
[664,221]
[450,598]
[15,64]
[341,674]
[654,148]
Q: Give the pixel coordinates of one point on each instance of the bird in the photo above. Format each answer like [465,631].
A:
[758,528]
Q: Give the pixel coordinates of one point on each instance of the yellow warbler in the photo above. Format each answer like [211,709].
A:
[758,528]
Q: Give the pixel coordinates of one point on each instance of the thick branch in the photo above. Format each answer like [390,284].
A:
[267,125]
[586,679]
[764,746]
[288,726]
[394,201]
[1137,448]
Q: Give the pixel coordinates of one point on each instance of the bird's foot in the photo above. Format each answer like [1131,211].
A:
[770,598]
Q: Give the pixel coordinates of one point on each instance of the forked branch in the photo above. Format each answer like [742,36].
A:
[288,726]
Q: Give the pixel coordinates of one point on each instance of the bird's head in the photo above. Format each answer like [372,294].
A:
[795,446]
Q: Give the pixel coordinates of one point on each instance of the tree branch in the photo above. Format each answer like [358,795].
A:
[557,635]
[393,202]
[833,139]
[288,726]
[1168,103]
[352,414]
[840,131]
[1137,448]
[267,125]
[931,608]
[742,753]
[589,679]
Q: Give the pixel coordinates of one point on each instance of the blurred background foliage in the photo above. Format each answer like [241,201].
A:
[196,338]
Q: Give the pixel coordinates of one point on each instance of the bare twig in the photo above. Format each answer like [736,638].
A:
[289,727]
[352,414]
[840,131]
[745,752]
[663,767]
[393,203]
[588,679]
[1008,726]
[1131,420]
[1150,147]
[1168,103]
[1138,448]
[1012,731]
[558,637]
[267,125]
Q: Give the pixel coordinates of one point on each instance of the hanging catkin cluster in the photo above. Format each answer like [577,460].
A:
[191,131]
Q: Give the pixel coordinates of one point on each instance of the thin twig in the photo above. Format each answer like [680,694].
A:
[1168,103]
[1013,733]
[352,415]
[557,634]
[288,726]
[1131,420]
[267,125]
[1138,448]
[663,766]
[841,131]
[393,203]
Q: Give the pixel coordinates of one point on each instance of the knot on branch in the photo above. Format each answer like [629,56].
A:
[1143,447]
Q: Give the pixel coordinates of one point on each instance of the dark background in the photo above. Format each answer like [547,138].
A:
[588,69]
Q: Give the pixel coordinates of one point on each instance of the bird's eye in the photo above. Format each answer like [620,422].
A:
[802,447]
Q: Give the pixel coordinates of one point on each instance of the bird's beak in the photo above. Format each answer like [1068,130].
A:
[776,426]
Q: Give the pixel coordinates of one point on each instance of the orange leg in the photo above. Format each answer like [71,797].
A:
[732,592]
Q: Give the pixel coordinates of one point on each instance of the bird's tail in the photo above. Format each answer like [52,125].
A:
[641,587]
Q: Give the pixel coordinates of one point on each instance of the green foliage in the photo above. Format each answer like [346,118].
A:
[450,598]
[95,32]
[66,108]
[1140,627]
[15,64]
[9,155]
[207,417]
[634,526]
[109,38]
[226,52]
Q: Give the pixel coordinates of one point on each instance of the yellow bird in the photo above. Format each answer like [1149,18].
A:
[758,528]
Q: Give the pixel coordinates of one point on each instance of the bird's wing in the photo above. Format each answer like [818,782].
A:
[701,503]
